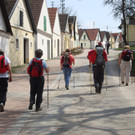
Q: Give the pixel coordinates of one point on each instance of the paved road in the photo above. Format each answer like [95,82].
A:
[77,111]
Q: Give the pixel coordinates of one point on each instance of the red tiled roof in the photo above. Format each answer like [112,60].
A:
[80,32]
[92,33]
[63,21]
[103,34]
[52,16]
[36,6]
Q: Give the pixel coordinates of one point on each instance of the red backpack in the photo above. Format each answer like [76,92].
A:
[35,69]
[3,67]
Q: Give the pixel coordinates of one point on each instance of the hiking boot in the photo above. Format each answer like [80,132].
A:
[38,109]
[122,82]
[126,84]
[67,87]
[1,107]
[31,106]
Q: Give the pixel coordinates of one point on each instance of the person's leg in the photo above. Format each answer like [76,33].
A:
[123,68]
[3,92]
[127,73]
[96,77]
[33,88]
[69,70]
[40,87]
[101,77]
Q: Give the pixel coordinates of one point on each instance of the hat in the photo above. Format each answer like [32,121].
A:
[99,43]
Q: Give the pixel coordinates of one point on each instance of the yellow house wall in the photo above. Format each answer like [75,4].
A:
[131,33]
[112,42]
[16,55]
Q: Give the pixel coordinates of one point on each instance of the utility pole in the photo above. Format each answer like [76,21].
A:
[62,6]
[52,4]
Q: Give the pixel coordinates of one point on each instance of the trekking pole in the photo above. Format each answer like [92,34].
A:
[74,77]
[47,90]
[59,81]
[105,78]
[90,80]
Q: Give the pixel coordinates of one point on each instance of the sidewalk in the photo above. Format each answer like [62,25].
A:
[18,94]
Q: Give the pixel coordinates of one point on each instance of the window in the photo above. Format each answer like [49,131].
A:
[44,23]
[84,37]
[21,18]
[17,44]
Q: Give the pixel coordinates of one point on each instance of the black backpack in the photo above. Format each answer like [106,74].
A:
[126,55]
[66,59]
[100,59]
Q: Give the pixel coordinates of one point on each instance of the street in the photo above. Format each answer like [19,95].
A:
[77,111]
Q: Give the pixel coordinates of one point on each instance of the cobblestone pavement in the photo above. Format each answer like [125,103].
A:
[77,111]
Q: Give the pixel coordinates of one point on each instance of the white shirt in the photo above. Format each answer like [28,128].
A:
[5,75]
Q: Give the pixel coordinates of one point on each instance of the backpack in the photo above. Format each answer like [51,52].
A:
[66,60]
[3,67]
[100,59]
[35,69]
[126,55]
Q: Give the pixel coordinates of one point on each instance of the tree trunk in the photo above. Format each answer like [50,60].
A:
[124,21]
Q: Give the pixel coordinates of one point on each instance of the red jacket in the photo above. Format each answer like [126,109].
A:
[93,54]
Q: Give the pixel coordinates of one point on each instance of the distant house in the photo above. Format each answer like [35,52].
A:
[112,41]
[72,21]
[104,38]
[65,33]
[84,39]
[118,40]
[22,42]
[44,33]
[56,32]
[95,36]
[5,29]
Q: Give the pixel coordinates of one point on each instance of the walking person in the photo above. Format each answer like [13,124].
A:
[97,57]
[36,69]
[124,61]
[5,76]
[107,47]
[66,62]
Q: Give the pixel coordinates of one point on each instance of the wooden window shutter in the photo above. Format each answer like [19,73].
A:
[44,23]
[21,18]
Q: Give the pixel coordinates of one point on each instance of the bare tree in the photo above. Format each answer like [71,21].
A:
[122,9]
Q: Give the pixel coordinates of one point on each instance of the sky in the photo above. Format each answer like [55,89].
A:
[91,14]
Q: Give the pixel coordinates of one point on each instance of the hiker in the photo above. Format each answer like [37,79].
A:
[4,78]
[107,47]
[124,61]
[36,69]
[66,65]
[98,57]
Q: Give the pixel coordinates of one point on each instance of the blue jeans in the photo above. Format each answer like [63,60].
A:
[67,74]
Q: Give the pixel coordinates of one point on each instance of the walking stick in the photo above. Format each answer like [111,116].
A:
[59,81]
[119,75]
[74,77]
[105,78]
[90,80]
[47,90]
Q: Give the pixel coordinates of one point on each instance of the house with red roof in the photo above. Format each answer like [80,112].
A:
[92,37]
[65,32]
[84,39]
[73,28]
[44,32]
[5,29]
[103,38]
[56,32]
[21,44]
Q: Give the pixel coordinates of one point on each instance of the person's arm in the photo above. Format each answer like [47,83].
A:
[47,70]
[132,57]
[120,57]
[10,74]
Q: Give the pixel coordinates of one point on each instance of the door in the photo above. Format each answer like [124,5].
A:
[26,50]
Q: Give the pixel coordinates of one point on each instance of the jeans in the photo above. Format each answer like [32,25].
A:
[3,90]
[36,90]
[67,74]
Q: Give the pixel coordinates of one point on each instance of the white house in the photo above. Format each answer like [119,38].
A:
[56,32]
[43,26]
[5,29]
